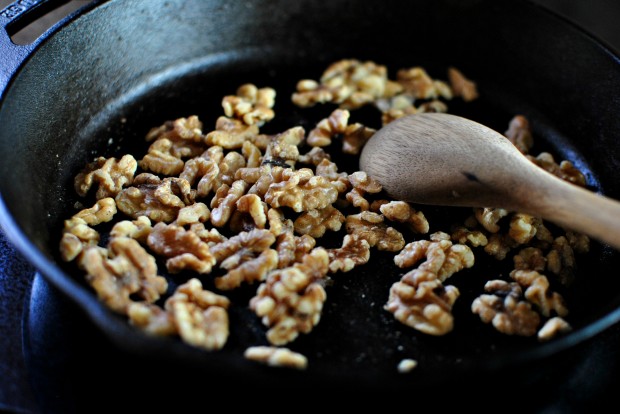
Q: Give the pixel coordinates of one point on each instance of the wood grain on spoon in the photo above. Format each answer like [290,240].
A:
[445,159]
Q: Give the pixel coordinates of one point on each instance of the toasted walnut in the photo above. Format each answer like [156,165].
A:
[362,184]
[268,174]
[420,85]
[283,147]
[406,365]
[231,133]
[349,83]
[211,236]
[181,129]
[461,86]
[251,104]
[228,167]
[443,258]
[552,328]
[250,213]
[474,238]
[354,136]
[370,227]
[565,170]
[276,357]
[249,271]
[329,170]
[173,141]
[151,319]
[290,301]
[199,315]
[163,158]
[111,175]
[138,229]
[504,309]
[499,245]
[489,217]
[355,251]
[402,212]
[561,260]
[252,154]
[538,292]
[316,222]
[530,258]
[425,305]
[78,233]
[520,134]
[301,190]
[204,169]
[522,227]
[194,213]
[314,156]
[290,248]
[255,241]
[122,271]
[328,128]
[225,201]
[159,200]
[183,248]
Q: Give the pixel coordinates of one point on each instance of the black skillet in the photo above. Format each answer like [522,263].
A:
[102,77]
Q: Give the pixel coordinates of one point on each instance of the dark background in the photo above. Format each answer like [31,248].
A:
[18,386]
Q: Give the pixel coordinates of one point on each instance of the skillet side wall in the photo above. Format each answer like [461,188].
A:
[514,49]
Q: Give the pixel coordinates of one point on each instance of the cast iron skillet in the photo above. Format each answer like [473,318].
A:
[97,81]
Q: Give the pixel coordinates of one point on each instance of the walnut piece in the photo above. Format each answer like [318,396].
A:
[355,251]
[443,258]
[423,303]
[520,134]
[250,104]
[349,83]
[370,227]
[417,83]
[317,222]
[553,327]
[402,212]
[110,175]
[122,271]
[224,202]
[461,86]
[200,316]
[538,292]
[78,234]
[301,190]
[362,184]
[159,200]
[290,301]
[565,170]
[138,229]
[183,248]
[489,218]
[276,357]
[249,271]
[503,308]
[231,133]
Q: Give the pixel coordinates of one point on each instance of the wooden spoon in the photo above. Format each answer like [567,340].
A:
[443,159]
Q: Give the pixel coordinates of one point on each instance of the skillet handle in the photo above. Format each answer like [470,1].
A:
[13,18]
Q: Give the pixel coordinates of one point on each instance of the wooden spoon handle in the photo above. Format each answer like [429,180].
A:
[576,208]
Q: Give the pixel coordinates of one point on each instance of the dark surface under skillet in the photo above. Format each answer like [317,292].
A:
[356,343]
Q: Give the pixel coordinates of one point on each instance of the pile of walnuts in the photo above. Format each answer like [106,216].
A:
[247,208]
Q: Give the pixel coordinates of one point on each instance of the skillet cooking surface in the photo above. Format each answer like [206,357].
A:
[356,339]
